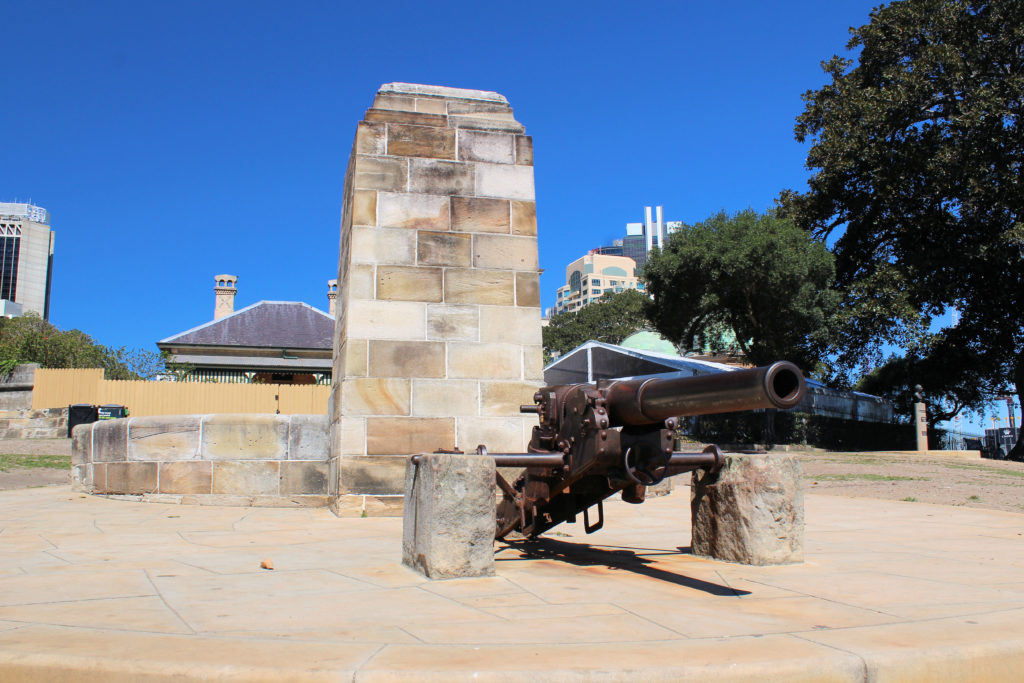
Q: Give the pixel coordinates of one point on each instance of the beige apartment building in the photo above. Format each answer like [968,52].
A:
[590,276]
[26,257]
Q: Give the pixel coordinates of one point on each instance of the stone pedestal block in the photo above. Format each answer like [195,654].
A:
[751,511]
[449,518]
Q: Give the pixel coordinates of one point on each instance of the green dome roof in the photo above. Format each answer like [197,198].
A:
[649,341]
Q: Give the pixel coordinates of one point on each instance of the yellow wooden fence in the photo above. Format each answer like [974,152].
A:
[61,388]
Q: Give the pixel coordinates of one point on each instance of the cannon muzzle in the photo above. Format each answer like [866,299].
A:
[647,401]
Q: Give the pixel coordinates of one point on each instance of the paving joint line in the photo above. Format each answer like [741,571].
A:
[163,599]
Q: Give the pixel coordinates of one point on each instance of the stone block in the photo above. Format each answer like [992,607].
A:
[524,150]
[110,440]
[382,245]
[387,320]
[391,436]
[372,474]
[504,398]
[506,181]
[473,107]
[408,210]
[409,283]
[183,477]
[510,324]
[244,437]
[434,177]
[443,249]
[524,218]
[353,355]
[364,207]
[406,119]
[471,286]
[164,437]
[371,138]
[303,478]
[533,362]
[375,396]
[750,512]
[485,123]
[498,434]
[480,214]
[476,145]
[527,289]
[422,141]
[453,322]
[307,438]
[99,477]
[381,173]
[469,360]
[406,359]
[351,435]
[431,105]
[505,252]
[81,444]
[449,520]
[394,102]
[360,281]
[445,397]
[131,477]
[252,478]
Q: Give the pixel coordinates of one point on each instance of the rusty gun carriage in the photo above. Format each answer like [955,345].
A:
[596,440]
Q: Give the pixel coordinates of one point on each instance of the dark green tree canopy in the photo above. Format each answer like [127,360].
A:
[610,319]
[758,275]
[916,154]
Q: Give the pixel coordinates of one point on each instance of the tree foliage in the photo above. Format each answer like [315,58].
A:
[610,319]
[30,339]
[916,155]
[759,275]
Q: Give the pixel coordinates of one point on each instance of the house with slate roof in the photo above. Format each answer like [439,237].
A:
[271,342]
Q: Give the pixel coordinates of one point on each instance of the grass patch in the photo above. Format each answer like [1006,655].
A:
[9,461]
[910,499]
[867,476]
[986,469]
[974,498]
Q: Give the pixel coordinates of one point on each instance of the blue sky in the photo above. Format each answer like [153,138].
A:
[175,141]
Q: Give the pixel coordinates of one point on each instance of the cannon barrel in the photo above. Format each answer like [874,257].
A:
[646,401]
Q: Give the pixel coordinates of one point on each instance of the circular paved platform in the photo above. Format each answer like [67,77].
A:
[98,589]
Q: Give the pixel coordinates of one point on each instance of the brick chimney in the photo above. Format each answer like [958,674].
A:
[332,297]
[224,290]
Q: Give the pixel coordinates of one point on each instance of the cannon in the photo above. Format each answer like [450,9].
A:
[596,440]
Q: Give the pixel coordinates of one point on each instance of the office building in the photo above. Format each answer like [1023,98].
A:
[589,277]
[26,256]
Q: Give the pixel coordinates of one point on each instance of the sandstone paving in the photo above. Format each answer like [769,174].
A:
[101,589]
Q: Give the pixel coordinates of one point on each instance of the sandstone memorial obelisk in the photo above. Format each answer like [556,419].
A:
[437,339]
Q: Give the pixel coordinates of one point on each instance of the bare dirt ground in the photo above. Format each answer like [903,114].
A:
[23,478]
[944,480]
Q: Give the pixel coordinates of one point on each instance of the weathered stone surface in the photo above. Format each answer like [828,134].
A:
[751,511]
[412,119]
[186,477]
[453,322]
[81,444]
[477,145]
[449,519]
[390,435]
[445,397]
[504,398]
[528,289]
[244,437]
[409,210]
[524,150]
[164,437]
[524,218]
[252,478]
[498,434]
[443,249]
[484,361]
[110,440]
[303,478]
[421,141]
[510,324]
[353,356]
[364,207]
[504,180]
[307,438]
[380,245]
[471,286]
[376,396]
[533,362]
[131,477]
[372,474]
[409,283]
[370,138]
[435,177]
[480,214]
[505,252]
[381,173]
[406,358]
[387,320]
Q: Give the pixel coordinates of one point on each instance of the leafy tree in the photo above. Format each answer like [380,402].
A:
[30,339]
[610,319]
[758,275]
[916,156]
